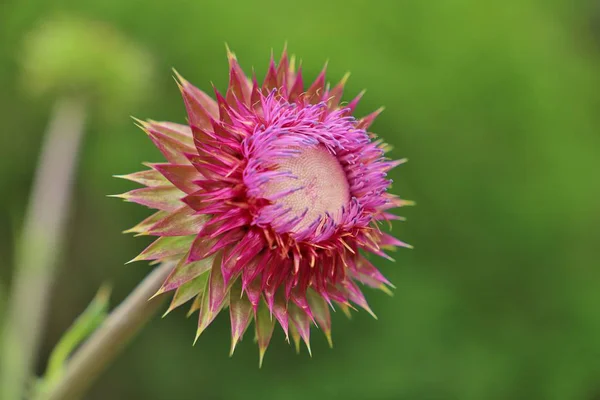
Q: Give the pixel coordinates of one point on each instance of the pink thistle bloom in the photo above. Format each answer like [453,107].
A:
[269,199]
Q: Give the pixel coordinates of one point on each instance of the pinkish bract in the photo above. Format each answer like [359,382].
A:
[269,199]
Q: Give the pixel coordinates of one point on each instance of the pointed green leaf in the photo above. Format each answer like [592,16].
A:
[240,311]
[150,178]
[185,272]
[182,222]
[143,227]
[301,321]
[213,299]
[172,147]
[281,313]
[180,132]
[264,329]
[217,289]
[345,309]
[295,337]
[166,246]
[320,310]
[188,291]
[84,325]
[204,318]
[196,304]
[180,175]
[166,198]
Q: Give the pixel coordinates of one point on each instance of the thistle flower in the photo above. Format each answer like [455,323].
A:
[269,200]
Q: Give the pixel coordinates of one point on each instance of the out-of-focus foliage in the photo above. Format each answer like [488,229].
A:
[496,104]
[72,56]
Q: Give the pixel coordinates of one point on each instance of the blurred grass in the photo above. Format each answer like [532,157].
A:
[496,106]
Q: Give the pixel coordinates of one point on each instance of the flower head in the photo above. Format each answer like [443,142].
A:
[269,200]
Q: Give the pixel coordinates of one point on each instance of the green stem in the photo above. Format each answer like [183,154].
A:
[39,246]
[109,339]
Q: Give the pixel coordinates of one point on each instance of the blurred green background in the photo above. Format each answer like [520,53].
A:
[497,106]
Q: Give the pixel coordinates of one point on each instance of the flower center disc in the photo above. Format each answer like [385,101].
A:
[323,186]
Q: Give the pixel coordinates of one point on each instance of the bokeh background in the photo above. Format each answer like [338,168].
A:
[497,106]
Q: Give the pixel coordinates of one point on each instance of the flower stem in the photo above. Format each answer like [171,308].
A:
[109,339]
[39,246]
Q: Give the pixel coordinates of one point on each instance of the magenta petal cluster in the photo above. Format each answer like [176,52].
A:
[269,200]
